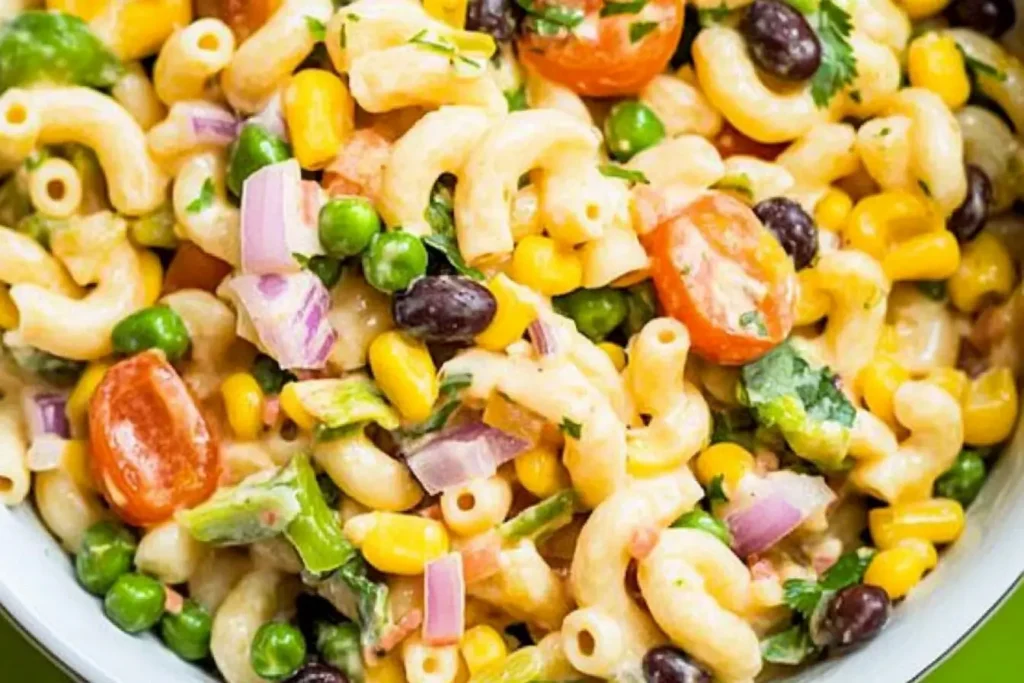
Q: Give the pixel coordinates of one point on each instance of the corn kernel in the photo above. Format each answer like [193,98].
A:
[451,12]
[405,373]
[8,311]
[293,408]
[546,266]
[387,669]
[937,520]
[925,550]
[541,472]
[727,460]
[812,301]
[879,381]
[77,408]
[896,571]
[990,407]
[932,256]
[404,544]
[243,402]
[142,26]
[832,210]
[615,353]
[482,646]
[512,317]
[880,219]
[321,116]
[934,62]
[920,9]
[889,340]
[87,10]
[76,463]
[953,381]
[152,275]
[986,269]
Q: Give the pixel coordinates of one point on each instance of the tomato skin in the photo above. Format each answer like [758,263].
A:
[608,64]
[730,142]
[245,17]
[153,452]
[725,241]
[193,268]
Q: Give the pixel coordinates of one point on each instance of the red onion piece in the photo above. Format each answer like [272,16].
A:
[444,601]
[543,337]
[463,453]
[271,118]
[278,220]
[44,413]
[209,124]
[766,509]
[286,316]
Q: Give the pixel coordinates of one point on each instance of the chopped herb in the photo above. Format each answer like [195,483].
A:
[980,68]
[317,28]
[791,646]
[885,131]
[615,171]
[448,246]
[353,17]
[755,320]
[802,596]
[433,43]
[571,428]
[924,187]
[455,382]
[736,182]
[204,200]
[36,159]
[638,30]
[449,391]
[342,37]
[848,570]
[715,492]
[517,99]
[614,7]
[552,13]
[855,96]
[838,64]
[713,15]
[933,289]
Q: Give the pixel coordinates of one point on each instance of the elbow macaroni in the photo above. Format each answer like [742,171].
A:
[190,58]
[215,226]
[368,474]
[136,94]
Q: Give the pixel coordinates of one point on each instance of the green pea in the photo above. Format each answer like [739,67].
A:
[393,260]
[338,645]
[327,269]
[106,553]
[346,226]
[269,375]
[596,312]
[135,602]
[699,519]
[963,481]
[188,632]
[156,327]
[155,229]
[631,127]
[277,651]
[641,307]
[255,148]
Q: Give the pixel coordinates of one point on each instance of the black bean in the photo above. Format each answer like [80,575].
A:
[780,40]
[991,17]
[444,308]
[317,672]
[497,17]
[792,226]
[855,615]
[667,664]
[969,218]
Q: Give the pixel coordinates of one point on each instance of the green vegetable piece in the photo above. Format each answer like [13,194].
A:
[372,608]
[715,491]
[106,553]
[56,48]
[963,481]
[698,519]
[329,490]
[522,666]
[269,375]
[187,633]
[596,312]
[60,372]
[346,226]
[39,227]
[641,307]
[277,651]
[345,402]
[734,425]
[632,127]
[326,268]
[255,148]
[155,229]
[135,602]
[805,597]
[339,646]
[517,99]
[393,260]
[14,202]
[933,289]
[791,646]
[156,327]
[440,213]
[838,66]
[541,519]
[804,6]
[315,531]
[802,596]
[804,403]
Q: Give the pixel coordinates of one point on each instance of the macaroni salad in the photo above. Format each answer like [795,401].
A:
[506,341]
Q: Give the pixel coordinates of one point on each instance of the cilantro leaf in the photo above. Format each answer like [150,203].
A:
[571,428]
[614,7]
[715,492]
[615,171]
[754,320]
[838,64]
[713,15]
[791,646]
[433,43]
[454,382]
[924,187]
[802,596]
[848,570]
[205,198]
[979,68]
[317,28]
[638,30]
[449,247]
[933,289]
[560,16]
[736,182]
[516,99]
[449,390]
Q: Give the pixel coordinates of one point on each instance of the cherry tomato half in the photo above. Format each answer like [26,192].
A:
[244,17]
[193,268]
[603,56]
[730,142]
[153,452]
[719,271]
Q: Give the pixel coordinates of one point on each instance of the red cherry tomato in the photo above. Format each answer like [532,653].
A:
[245,17]
[605,56]
[731,142]
[153,452]
[193,268]
[719,271]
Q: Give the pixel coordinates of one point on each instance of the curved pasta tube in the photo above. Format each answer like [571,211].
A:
[250,603]
[991,145]
[368,474]
[882,21]
[438,143]
[190,58]
[578,203]
[697,590]
[927,332]
[615,256]
[19,128]
[373,25]
[15,479]
[55,188]
[884,146]
[174,138]
[543,139]
[72,114]
[688,159]
[1006,86]
[215,576]
[477,505]
[599,568]
[878,77]
[66,509]
[136,94]
[429,663]
[211,327]
[682,107]
[214,228]
[542,93]
[358,313]
[935,422]
[25,261]
[169,553]
[763,179]
[268,57]
[819,158]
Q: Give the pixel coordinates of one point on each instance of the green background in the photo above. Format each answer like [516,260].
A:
[994,655]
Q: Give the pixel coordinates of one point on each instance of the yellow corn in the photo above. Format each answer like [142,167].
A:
[896,571]
[986,269]
[919,9]
[243,402]
[812,301]
[832,210]
[932,256]
[142,26]
[87,10]
[614,352]
[482,646]
[75,463]
[404,544]
[889,340]
[405,373]
[937,520]
[386,669]
[451,12]
[8,311]
[879,381]
[320,114]
[152,275]
[546,266]
[511,319]
[77,408]
[952,380]
[880,219]
[727,460]
[934,62]
[990,407]
[541,472]
[925,550]
[293,408]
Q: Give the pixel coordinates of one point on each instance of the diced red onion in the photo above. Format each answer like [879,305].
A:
[766,509]
[286,316]
[444,601]
[208,123]
[271,118]
[46,453]
[543,337]
[278,220]
[460,454]
[44,413]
